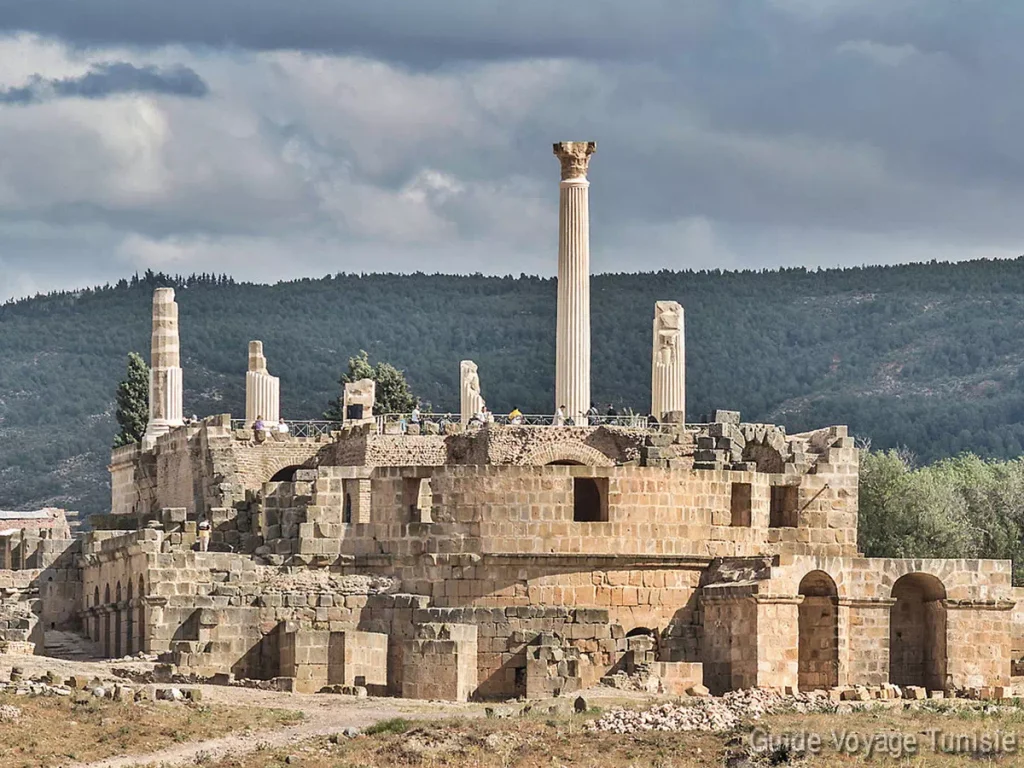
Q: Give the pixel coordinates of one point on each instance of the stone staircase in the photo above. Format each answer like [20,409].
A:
[71,646]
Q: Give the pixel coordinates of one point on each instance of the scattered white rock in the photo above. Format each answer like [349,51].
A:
[710,714]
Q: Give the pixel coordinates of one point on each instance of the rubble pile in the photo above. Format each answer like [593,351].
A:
[53,684]
[711,714]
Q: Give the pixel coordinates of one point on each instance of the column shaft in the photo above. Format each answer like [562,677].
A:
[572,341]
[165,380]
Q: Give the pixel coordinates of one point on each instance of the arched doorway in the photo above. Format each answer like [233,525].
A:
[118,652]
[142,615]
[917,632]
[108,645]
[95,634]
[130,611]
[818,653]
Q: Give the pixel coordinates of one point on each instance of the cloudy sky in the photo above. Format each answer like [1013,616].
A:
[273,139]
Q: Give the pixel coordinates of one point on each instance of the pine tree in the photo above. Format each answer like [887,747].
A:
[133,402]
[392,393]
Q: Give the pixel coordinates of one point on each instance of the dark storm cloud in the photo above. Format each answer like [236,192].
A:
[414,32]
[418,33]
[403,134]
[106,80]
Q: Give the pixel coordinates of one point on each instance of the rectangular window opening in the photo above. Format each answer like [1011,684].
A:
[742,502]
[783,512]
[590,499]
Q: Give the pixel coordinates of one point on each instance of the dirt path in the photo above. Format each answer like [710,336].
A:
[324,715]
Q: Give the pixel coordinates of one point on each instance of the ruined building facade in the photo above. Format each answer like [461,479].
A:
[495,560]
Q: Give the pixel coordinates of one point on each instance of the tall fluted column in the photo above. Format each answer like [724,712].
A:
[668,376]
[165,386]
[572,344]
[471,401]
[262,391]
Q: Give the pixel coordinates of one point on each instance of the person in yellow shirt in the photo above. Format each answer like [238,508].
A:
[515,417]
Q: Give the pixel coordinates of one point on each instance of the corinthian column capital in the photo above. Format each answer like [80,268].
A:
[574,157]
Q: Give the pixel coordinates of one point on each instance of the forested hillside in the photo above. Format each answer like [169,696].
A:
[925,356]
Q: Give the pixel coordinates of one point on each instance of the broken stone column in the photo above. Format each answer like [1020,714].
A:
[359,393]
[668,362]
[470,398]
[165,386]
[572,343]
[262,391]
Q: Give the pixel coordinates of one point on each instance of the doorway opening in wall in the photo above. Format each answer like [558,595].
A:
[590,499]
[346,515]
[117,625]
[917,632]
[818,633]
[783,512]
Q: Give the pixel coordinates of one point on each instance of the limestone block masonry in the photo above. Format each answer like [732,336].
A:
[262,391]
[572,343]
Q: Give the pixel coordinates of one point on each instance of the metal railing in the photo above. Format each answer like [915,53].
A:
[401,421]
[314,428]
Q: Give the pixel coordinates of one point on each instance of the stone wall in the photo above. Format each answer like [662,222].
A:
[320,658]
[440,663]
[202,467]
[645,511]
[939,624]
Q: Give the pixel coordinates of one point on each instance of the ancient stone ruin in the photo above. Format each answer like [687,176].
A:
[440,562]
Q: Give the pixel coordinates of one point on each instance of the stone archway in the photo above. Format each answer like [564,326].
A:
[568,452]
[285,474]
[117,624]
[108,645]
[818,628]
[917,632]
[130,613]
[95,634]
[142,615]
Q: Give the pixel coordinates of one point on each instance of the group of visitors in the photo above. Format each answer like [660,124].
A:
[260,429]
[562,419]
[481,417]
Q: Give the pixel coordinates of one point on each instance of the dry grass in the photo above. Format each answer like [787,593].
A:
[535,742]
[56,731]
